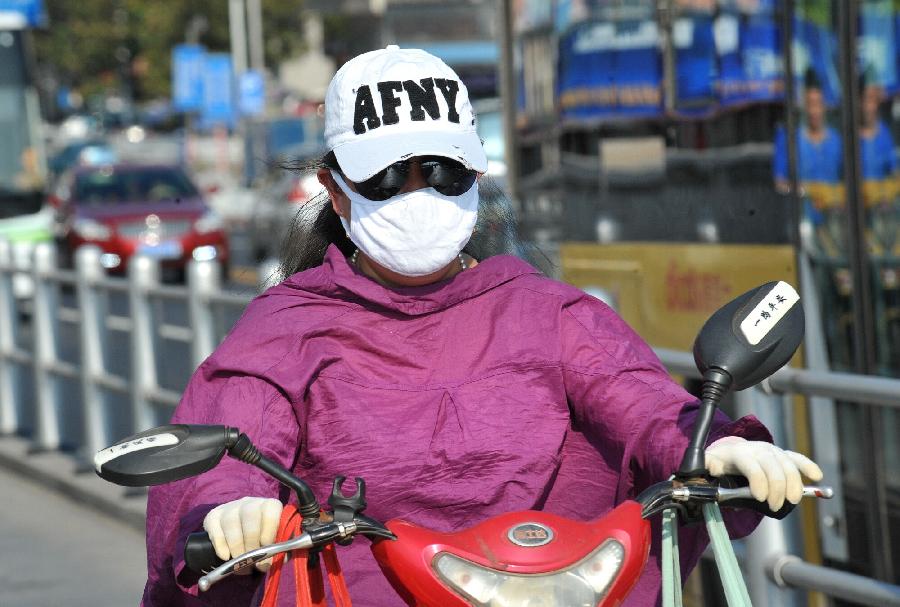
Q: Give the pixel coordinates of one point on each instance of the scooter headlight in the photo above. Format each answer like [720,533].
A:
[580,585]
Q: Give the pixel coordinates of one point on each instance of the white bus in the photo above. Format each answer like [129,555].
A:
[24,217]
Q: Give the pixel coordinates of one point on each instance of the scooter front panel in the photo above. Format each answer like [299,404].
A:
[528,543]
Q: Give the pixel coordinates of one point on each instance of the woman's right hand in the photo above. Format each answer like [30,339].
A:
[241,525]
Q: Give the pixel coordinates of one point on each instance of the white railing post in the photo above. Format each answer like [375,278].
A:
[23,261]
[47,418]
[143,274]
[826,446]
[91,330]
[9,410]
[772,537]
[203,279]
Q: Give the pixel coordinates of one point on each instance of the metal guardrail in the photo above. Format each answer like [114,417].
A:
[149,400]
[865,389]
[791,571]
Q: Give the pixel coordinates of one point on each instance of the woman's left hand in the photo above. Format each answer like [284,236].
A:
[773,473]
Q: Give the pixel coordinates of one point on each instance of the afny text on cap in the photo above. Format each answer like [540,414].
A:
[393,103]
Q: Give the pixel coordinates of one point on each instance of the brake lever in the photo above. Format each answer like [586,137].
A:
[303,541]
[315,536]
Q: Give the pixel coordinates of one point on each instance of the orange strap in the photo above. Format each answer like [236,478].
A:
[310,589]
[336,577]
[286,528]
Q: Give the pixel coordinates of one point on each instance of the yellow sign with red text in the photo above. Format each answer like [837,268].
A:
[666,291]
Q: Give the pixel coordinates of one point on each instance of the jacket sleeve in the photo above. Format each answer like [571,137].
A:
[258,408]
[624,400]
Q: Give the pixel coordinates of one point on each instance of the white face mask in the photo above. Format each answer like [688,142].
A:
[413,234]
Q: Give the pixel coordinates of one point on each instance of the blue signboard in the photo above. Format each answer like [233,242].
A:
[608,69]
[187,77]
[761,57]
[16,14]
[252,93]
[696,69]
[586,63]
[218,90]
[754,7]
[638,73]
[815,48]
[893,90]
[728,38]
[750,66]
[876,43]
[613,69]
[468,52]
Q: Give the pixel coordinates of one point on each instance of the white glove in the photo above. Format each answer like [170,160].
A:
[242,525]
[773,473]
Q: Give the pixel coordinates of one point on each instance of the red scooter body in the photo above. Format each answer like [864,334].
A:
[408,561]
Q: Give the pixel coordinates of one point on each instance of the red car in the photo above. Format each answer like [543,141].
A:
[126,209]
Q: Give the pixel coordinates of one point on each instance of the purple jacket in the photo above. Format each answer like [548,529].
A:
[497,390]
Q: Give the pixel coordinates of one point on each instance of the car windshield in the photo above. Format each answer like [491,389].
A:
[109,185]
[86,152]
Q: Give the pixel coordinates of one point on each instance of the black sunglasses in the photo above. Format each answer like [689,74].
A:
[449,177]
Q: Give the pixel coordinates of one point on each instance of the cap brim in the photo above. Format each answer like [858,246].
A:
[359,160]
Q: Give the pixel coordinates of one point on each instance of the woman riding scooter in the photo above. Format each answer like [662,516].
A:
[459,384]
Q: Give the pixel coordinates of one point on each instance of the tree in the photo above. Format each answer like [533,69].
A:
[101,46]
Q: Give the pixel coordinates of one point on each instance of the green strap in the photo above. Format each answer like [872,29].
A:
[671,562]
[729,570]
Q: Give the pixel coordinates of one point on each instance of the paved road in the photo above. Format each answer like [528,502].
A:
[56,552]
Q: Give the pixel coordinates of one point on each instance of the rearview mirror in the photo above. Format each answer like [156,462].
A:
[164,454]
[752,336]
[742,343]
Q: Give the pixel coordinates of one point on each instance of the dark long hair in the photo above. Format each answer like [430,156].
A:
[316,226]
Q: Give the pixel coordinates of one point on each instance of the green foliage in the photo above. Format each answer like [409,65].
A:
[96,45]
[817,11]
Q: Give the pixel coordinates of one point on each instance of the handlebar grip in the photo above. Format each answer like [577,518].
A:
[199,553]
[732,481]
[761,507]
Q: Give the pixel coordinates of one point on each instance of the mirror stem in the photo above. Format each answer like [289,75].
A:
[715,385]
[307,504]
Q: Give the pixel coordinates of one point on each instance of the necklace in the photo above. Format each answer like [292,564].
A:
[354,259]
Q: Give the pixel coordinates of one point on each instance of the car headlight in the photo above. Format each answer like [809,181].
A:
[209,222]
[90,229]
[580,585]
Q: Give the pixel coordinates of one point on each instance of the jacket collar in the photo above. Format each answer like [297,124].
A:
[339,279]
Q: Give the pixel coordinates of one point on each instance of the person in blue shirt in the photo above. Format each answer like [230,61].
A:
[820,168]
[819,151]
[878,158]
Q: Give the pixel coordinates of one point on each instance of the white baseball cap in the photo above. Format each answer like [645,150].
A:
[393,103]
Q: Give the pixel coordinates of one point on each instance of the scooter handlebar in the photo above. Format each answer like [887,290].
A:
[742,499]
[200,554]
[734,494]
[302,542]
[726,494]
